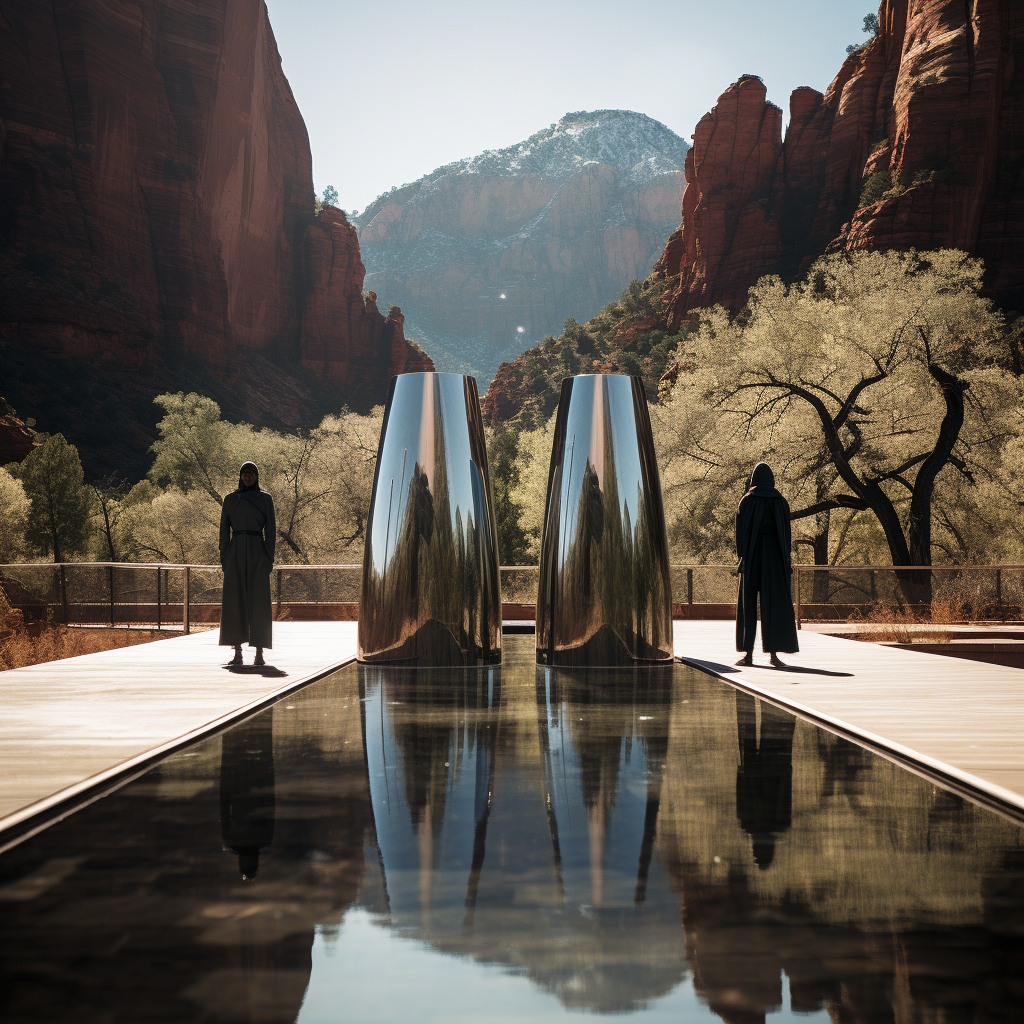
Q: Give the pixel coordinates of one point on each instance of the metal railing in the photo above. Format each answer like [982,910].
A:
[179,596]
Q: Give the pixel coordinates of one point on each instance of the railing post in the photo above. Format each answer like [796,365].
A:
[110,588]
[184,602]
[158,572]
[796,596]
[999,594]
[278,614]
[63,593]
[689,586]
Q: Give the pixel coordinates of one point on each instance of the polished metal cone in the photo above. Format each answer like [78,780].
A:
[430,593]
[604,596]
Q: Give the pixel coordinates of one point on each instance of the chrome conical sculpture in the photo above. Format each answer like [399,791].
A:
[604,595]
[430,590]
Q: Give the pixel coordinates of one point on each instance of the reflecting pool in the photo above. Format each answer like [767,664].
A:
[518,843]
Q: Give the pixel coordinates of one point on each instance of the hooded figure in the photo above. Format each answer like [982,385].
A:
[763,541]
[248,533]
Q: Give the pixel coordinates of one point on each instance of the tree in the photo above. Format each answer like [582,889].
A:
[196,448]
[872,26]
[533,461]
[177,526]
[871,382]
[505,476]
[58,520]
[14,511]
[330,196]
[320,479]
[110,493]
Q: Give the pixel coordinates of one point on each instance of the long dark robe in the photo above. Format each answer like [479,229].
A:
[247,558]
[763,541]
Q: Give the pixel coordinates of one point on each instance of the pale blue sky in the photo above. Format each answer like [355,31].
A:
[393,89]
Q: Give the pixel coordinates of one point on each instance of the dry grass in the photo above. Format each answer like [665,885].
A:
[20,646]
[895,625]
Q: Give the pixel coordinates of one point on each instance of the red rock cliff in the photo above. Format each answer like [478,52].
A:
[918,142]
[17,438]
[156,196]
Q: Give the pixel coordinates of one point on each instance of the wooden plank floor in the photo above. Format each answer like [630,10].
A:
[67,725]
[963,718]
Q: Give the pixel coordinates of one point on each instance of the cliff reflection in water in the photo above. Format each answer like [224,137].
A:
[617,840]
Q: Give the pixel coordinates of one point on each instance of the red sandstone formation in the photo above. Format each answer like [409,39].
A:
[17,439]
[156,197]
[929,116]
[345,339]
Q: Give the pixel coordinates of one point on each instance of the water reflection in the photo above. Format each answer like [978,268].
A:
[247,800]
[764,777]
[622,847]
[509,831]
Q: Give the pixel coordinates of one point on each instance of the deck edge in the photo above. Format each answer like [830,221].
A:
[39,815]
[994,797]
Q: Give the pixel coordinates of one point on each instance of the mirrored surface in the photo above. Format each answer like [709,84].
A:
[430,591]
[518,843]
[604,595]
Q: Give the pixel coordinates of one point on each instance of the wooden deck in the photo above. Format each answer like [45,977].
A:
[71,729]
[68,726]
[961,719]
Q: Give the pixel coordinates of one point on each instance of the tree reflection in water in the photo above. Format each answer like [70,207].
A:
[613,837]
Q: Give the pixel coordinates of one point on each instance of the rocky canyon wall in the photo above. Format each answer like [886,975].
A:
[918,142]
[157,206]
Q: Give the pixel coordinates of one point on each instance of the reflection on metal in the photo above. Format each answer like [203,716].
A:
[430,589]
[604,595]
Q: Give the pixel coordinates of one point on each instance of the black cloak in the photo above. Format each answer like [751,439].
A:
[763,542]
[248,534]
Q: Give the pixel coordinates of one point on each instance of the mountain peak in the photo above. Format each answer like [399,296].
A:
[490,254]
[638,147]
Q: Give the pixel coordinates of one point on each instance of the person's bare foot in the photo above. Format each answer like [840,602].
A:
[747,659]
[776,663]
[237,659]
[258,660]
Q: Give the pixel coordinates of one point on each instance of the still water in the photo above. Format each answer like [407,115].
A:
[518,844]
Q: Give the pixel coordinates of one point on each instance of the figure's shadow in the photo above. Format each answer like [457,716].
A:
[803,670]
[267,671]
[718,669]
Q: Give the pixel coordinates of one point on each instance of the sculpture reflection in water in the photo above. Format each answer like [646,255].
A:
[607,844]
[514,833]
[430,590]
[604,592]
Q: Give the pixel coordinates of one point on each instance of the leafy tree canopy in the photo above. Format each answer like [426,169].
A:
[874,384]
[59,517]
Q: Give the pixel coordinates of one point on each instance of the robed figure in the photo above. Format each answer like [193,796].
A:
[763,542]
[248,534]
